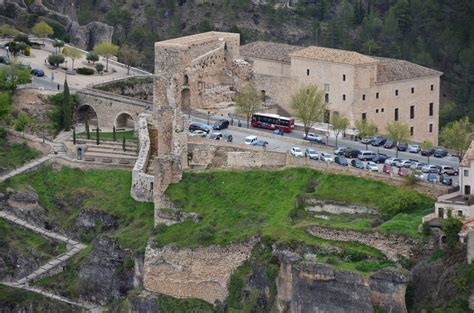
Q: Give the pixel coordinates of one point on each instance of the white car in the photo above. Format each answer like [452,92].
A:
[404,163]
[313,137]
[414,148]
[372,166]
[429,169]
[198,133]
[297,152]
[340,150]
[311,153]
[326,157]
[249,140]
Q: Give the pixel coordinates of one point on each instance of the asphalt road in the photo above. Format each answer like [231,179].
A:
[284,146]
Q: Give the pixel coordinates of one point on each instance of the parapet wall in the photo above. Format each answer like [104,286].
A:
[142,183]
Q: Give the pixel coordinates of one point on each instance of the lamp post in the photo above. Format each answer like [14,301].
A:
[208,115]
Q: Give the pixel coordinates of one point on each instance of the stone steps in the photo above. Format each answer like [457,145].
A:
[25,168]
[110,155]
[108,143]
[100,149]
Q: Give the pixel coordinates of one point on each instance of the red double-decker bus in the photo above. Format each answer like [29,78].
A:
[273,121]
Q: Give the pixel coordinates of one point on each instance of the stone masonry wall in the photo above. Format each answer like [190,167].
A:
[142,183]
[201,273]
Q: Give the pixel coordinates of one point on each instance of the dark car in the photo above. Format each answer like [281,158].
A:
[221,124]
[357,163]
[199,126]
[351,153]
[446,180]
[427,152]
[37,72]
[440,153]
[379,141]
[228,138]
[3,59]
[341,160]
[380,158]
[215,136]
[432,178]
[402,146]
[389,144]
[260,143]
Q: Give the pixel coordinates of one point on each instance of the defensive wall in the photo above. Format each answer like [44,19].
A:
[142,183]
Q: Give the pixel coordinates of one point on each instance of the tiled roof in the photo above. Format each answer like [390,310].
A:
[468,156]
[268,50]
[392,69]
[333,55]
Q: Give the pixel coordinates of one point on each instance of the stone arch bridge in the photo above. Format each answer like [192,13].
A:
[107,109]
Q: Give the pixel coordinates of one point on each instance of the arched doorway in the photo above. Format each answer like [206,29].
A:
[124,121]
[86,112]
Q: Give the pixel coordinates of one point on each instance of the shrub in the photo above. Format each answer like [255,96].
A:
[3,133]
[85,71]
[451,227]
[27,51]
[92,57]
[22,121]
[55,59]
[22,38]
[99,67]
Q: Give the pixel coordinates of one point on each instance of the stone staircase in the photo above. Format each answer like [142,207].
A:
[110,152]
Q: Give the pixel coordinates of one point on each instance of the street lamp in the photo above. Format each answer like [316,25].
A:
[208,114]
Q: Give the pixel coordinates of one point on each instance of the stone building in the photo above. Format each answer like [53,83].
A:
[380,90]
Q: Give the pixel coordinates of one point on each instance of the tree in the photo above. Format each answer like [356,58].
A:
[365,130]
[73,54]
[55,59]
[13,75]
[308,106]
[339,124]
[92,57]
[129,56]
[458,136]
[247,102]
[67,108]
[42,29]
[106,49]
[397,132]
[5,105]
[99,67]
[7,30]
[426,145]
[58,44]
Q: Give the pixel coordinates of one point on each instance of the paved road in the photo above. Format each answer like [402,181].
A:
[283,145]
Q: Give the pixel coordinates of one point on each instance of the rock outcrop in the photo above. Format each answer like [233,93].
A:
[25,205]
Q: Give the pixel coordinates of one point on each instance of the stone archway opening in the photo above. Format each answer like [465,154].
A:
[124,121]
[86,112]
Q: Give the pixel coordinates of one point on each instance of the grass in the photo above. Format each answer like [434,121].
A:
[13,155]
[103,190]
[129,135]
[22,300]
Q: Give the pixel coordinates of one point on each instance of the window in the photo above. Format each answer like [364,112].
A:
[412,112]
[412,130]
[364,116]
[343,97]
[363,97]
[376,95]
[326,87]
[396,92]
[382,110]
[412,89]
[343,77]
[431,108]
[466,173]
[431,128]
[307,72]
[432,87]
[396,114]
[376,110]
[326,98]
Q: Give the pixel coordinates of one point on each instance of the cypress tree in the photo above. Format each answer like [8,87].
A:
[67,111]
[123,143]
[97,134]
[87,128]
[115,138]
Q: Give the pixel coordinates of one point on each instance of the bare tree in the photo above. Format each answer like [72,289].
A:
[129,56]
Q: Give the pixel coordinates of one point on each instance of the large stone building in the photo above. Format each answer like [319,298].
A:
[380,90]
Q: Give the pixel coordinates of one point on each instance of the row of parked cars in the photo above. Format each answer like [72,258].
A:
[381,141]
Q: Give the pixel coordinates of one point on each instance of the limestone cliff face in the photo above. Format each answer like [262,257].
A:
[201,273]
[312,287]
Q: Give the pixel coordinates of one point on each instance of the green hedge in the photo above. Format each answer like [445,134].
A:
[85,71]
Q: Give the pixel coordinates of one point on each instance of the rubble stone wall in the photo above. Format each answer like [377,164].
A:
[142,183]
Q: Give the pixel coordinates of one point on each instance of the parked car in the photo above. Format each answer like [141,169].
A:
[387,168]
[37,72]
[221,124]
[389,144]
[429,168]
[313,137]
[340,150]
[367,141]
[380,158]
[228,138]
[366,155]
[249,140]
[357,164]
[351,153]
[440,153]
[448,170]
[3,59]
[402,146]
[414,148]
[215,136]
[297,152]
[278,132]
[417,166]
[404,163]
[396,162]
[260,143]
[446,180]
[432,178]
[427,152]
[311,153]
[403,171]
[326,157]
[372,166]
[198,133]
[199,126]
[341,160]
[379,141]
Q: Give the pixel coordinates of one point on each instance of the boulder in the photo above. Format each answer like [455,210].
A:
[87,36]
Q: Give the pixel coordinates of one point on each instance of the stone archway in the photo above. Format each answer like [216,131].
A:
[124,120]
[86,112]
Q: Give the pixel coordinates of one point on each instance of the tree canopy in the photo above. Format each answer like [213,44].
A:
[247,102]
[72,53]
[42,29]
[458,136]
[365,129]
[129,56]
[106,49]
[339,124]
[308,106]
[398,132]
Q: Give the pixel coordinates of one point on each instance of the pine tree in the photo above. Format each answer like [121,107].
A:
[67,111]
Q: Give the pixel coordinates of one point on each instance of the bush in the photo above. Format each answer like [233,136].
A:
[92,57]
[85,71]
[22,38]
[3,133]
[99,67]
[55,59]
[451,227]
[22,121]
[27,51]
